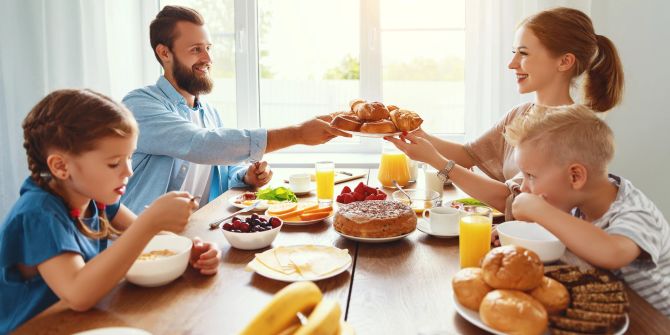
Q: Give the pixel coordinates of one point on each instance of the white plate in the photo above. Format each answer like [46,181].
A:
[114,331]
[374,135]
[304,223]
[423,226]
[372,239]
[473,317]
[261,207]
[264,271]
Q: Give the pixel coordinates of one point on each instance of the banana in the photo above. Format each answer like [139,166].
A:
[280,312]
[324,320]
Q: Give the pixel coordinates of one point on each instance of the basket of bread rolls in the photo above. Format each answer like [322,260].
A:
[375,118]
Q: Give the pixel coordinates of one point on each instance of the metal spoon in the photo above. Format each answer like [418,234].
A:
[395,183]
[215,224]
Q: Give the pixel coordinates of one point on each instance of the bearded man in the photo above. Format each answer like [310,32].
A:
[183,144]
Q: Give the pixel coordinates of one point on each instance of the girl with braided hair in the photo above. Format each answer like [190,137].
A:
[54,244]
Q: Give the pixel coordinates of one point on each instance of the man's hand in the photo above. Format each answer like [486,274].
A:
[258,174]
[317,131]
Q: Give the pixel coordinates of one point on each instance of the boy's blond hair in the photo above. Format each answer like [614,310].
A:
[571,134]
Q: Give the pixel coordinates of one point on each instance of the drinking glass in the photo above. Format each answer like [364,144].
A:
[325,182]
[475,235]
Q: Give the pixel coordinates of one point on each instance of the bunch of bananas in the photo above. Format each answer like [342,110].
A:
[280,316]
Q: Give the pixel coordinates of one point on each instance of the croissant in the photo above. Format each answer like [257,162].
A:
[371,111]
[405,120]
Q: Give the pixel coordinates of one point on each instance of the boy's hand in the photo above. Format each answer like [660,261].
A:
[205,256]
[258,174]
[527,206]
[495,240]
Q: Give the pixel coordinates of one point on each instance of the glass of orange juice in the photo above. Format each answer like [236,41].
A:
[325,182]
[393,166]
[475,235]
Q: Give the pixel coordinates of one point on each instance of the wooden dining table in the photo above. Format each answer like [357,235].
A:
[399,287]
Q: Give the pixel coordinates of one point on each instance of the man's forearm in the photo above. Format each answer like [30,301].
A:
[280,138]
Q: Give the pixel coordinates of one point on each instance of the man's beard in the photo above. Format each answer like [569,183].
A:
[188,81]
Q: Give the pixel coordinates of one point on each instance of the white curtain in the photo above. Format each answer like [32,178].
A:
[490,87]
[50,44]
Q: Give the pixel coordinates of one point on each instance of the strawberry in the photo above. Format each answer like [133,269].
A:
[339,198]
[359,196]
[346,189]
[370,190]
[360,188]
[371,197]
[381,196]
[347,198]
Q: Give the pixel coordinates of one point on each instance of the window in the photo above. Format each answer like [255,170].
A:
[278,63]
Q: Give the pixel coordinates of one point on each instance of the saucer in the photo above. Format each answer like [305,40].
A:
[424,227]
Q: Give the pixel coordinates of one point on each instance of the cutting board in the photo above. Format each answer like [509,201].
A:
[341,176]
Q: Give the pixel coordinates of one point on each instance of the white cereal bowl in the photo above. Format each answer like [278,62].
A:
[531,236]
[162,270]
[252,241]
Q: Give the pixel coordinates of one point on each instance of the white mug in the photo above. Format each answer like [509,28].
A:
[443,220]
[299,183]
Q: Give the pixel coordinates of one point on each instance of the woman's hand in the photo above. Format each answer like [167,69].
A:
[205,256]
[416,148]
[258,174]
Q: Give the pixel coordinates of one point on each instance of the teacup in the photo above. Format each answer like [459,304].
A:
[443,220]
[299,182]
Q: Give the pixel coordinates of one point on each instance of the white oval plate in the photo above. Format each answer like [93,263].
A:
[423,226]
[304,223]
[473,317]
[264,271]
[373,239]
[261,207]
[373,135]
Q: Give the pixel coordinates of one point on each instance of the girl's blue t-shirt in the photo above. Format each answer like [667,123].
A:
[36,229]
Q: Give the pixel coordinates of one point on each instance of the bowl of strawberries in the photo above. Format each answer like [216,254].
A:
[361,192]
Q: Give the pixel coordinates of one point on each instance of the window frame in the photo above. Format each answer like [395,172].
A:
[247,75]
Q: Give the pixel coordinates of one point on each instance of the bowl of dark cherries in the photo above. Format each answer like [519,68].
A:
[251,232]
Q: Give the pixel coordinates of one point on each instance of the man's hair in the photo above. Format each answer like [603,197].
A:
[162,28]
[571,133]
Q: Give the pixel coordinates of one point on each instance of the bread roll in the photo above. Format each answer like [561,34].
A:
[378,127]
[355,102]
[513,312]
[405,120]
[512,267]
[469,287]
[346,122]
[371,111]
[552,295]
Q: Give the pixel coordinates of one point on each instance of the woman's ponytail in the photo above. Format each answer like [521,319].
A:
[604,82]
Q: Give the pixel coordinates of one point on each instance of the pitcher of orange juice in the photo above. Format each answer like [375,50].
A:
[475,235]
[393,166]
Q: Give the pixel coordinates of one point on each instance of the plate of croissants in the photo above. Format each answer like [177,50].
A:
[374,119]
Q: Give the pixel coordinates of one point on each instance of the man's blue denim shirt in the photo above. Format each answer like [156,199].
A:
[168,140]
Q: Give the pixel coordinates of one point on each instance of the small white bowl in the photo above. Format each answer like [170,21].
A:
[162,270]
[531,236]
[252,241]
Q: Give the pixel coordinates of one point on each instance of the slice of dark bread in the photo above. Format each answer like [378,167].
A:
[600,297]
[578,325]
[613,320]
[614,308]
[598,287]
[556,331]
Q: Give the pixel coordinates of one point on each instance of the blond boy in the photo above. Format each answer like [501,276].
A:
[563,154]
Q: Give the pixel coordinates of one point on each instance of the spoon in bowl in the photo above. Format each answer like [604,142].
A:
[395,183]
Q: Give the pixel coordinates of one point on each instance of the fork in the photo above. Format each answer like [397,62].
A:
[216,223]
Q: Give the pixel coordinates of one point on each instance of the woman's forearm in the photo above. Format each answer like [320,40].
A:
[450,150]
